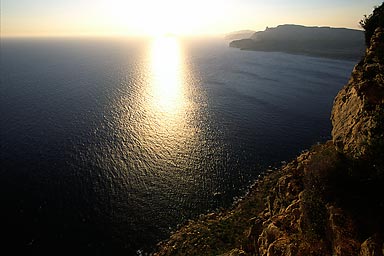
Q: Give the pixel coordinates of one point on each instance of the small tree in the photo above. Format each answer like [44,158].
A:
[373,21]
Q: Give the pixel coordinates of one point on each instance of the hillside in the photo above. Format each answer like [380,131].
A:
[328,201]
[340,43]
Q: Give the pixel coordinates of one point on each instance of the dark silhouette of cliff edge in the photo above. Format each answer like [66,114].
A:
[339,43]
[329,200]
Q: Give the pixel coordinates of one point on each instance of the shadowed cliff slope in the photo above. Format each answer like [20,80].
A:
[328,201]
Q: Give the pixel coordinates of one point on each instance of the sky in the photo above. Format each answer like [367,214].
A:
[182,17]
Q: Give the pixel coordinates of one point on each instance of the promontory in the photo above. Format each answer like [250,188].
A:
[338,43]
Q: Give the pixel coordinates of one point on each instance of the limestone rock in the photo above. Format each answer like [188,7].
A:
[358,110]
[234,252]
[342,232]
[373,246]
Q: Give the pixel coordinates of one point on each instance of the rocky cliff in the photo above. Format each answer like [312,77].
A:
[328,201]
[358,111]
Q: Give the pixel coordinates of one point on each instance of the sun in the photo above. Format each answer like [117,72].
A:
[154,17]
[167,74]
[163,17]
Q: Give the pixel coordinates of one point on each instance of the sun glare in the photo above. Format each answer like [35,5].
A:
[156,18]
[166,74]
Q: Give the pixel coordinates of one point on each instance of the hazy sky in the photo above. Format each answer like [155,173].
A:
[186,17]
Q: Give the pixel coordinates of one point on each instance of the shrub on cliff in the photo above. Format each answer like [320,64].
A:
[371,22]
[321,180]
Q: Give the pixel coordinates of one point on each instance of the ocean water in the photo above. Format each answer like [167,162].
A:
[108,144]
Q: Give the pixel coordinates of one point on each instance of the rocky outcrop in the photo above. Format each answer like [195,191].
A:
[358,110]
[373,246]
[293,211]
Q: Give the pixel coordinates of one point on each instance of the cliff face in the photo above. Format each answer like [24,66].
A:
[328,201]
[357,115]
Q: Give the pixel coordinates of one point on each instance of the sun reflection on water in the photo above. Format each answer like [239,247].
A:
[159,118]
[168,106]
[167,88]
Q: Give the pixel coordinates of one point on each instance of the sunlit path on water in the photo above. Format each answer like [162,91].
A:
[167,70]
[169,117]
[161,119]
[167,100]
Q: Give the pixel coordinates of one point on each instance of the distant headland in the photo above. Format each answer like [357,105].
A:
[327,42]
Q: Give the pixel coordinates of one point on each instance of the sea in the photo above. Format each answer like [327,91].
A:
[109,144]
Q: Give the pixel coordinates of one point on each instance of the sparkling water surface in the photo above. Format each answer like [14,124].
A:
[107,145]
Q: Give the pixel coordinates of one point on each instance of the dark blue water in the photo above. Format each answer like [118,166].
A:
[107,145]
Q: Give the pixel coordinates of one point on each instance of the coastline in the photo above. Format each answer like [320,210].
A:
[250,45]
